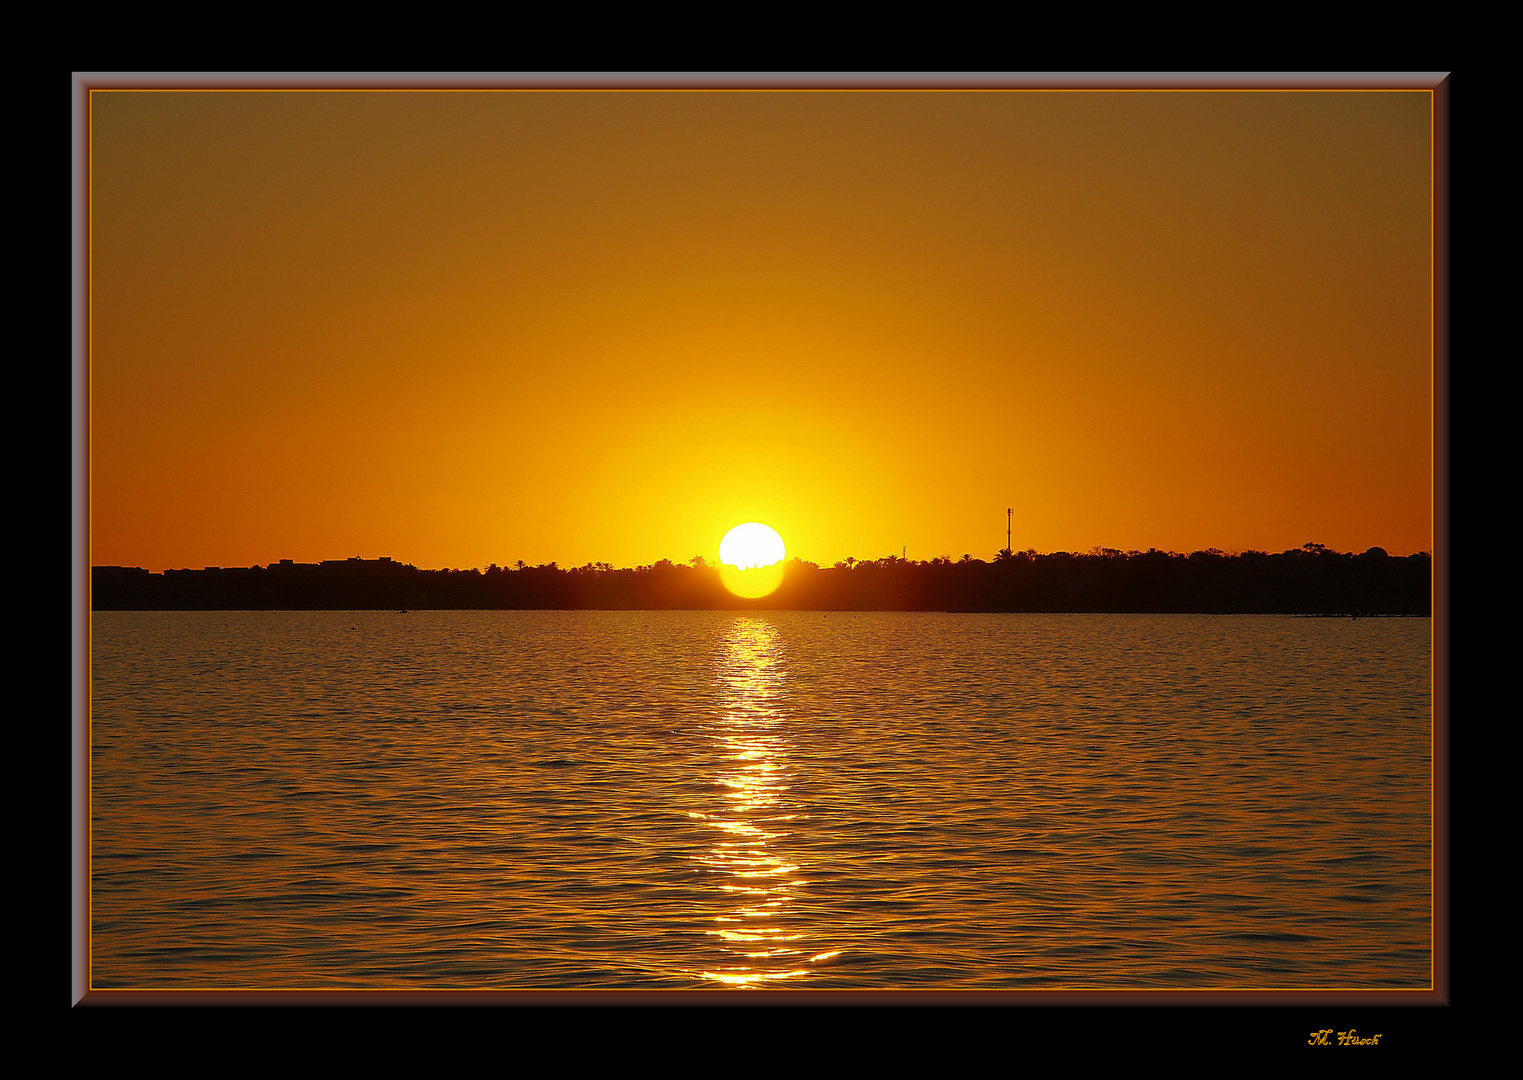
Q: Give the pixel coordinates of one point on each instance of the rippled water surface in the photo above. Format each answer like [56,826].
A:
[700,799]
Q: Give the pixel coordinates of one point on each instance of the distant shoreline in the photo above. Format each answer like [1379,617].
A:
[1311,581]
[817,611]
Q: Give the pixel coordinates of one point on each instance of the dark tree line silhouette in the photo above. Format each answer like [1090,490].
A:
[1311,580]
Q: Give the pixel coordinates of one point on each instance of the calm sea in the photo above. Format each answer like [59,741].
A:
[803,799]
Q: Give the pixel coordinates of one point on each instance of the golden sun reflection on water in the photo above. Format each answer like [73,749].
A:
[758,882]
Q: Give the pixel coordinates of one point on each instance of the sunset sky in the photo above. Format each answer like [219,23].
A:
[466,327]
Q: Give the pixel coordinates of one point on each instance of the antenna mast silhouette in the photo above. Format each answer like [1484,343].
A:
[1009,518]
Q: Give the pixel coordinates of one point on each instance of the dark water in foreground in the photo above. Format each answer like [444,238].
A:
[694,799]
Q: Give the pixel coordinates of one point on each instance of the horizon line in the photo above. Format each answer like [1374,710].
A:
[850,561]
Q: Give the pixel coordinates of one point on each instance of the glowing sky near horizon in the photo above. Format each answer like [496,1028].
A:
[458,328]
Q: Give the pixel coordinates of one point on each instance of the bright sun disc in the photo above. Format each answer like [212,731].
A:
[751,559]
[750,545]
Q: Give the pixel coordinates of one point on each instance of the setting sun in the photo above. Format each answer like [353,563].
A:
[751,559]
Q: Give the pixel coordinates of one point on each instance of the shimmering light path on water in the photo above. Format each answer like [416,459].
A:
[803,799]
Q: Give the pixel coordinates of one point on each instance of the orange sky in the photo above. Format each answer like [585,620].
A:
[468,327]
